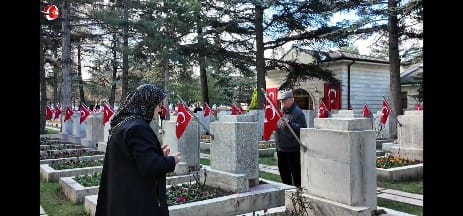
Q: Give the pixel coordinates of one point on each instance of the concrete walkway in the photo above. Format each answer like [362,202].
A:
[400,196]
[389,194]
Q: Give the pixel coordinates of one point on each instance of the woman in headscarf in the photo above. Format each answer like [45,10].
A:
[133,181]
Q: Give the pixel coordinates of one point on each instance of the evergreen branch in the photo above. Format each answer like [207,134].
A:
[300,72]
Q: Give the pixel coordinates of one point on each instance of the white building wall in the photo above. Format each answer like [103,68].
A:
[369,83]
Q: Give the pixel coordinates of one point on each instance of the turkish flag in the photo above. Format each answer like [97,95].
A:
[57,112]
[163,111]
[234,110]
[48,113]
[68,114]
[240,110]
[183,119]
[270,122]
[84,113]
[272,94]
[207,110]
[107,113]
[51,12]
[418,107]
[332,96]
[384,112]
[323,110]
[366,111]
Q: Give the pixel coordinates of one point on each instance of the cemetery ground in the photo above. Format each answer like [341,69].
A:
[54,202]
[401,195]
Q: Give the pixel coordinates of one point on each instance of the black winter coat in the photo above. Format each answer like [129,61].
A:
[133,181]
[284,139]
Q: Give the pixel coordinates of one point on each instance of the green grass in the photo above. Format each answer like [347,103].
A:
[205,161]
[50,131]
[271,161]
[55,203]
[398,206]
[410,186]
[269,176]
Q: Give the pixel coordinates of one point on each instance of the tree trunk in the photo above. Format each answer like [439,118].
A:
[55,86]
[394,64]
[202,66]
[125,55]
[79,74]
[66,56]
[166,80]
[43,87]
[260,62]
[112,95]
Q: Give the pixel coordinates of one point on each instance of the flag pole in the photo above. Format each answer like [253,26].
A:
[324,106]
[189,111]
[387,104]
[304,148]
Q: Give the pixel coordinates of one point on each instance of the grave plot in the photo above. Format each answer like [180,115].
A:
[92,157]
[61,146]
[231,183]
[212,196]
[267,148]
[67,153]
[52,141]
[395,168]
[75,188]
[55,170]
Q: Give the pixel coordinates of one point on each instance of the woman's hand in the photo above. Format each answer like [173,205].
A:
[165,150]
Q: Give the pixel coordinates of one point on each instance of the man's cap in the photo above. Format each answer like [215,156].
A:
[285,95]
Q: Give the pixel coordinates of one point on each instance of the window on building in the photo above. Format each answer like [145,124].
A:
[303,99]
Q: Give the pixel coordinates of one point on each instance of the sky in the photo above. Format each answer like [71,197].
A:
[361,44]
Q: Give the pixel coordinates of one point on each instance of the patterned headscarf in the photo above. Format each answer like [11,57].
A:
[139,103]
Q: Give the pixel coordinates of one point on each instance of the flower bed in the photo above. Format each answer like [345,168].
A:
[93,157]
[59,147]
[53,154]
[73,164]
[266,145]
[389,161]
[396,169]
[186,193]
[52,141]
[76,188]
[89,180]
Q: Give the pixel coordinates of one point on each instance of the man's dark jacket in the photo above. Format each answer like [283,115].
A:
[285,141]
[133,180]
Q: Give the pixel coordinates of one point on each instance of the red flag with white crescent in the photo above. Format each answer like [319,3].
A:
[323,110]
[234,110]
[84,113]
[272,94]
[163,111]
[240,110]
[107,113]
[57,112]
[207,110]
[51,12]
[48,113]
[183,119]
[332,96]
[68,113]
[418,107]
[270,122]
[384,112]
[366,111]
